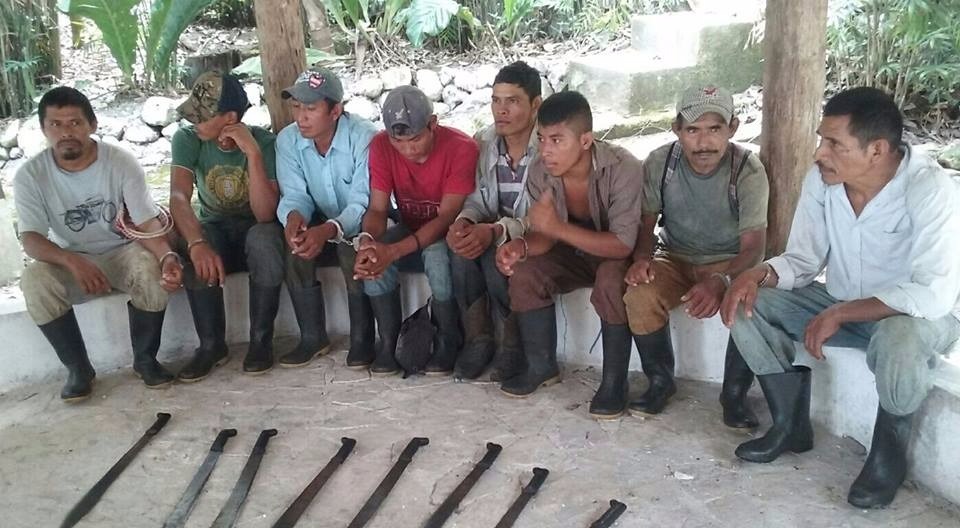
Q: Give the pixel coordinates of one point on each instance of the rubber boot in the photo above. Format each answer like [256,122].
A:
[448,340]
[656,358]
[64,336]
[389,316]
[311,317]
[886,466]
[264,303]
[508,358]
[362,345]
[145,329]
[788,396]
[478,350]
[737,378]
[206,305]
[610,401]
[538,332]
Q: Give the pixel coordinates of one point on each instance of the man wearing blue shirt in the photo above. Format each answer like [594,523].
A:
[324,187]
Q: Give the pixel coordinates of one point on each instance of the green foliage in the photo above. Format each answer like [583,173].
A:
[117,24]
[252,66]
[518,17]
[25,52]
[388,23]
[611,15]
[350,15]
[229,13]
[425,18]
[166,24]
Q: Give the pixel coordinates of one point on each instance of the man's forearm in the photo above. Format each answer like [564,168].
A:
[646,240]
[185,219]
[156,245]
[40,248]
[600,244]
[264,194]
[428,233]
[374,223]
[864,310]
[538,244]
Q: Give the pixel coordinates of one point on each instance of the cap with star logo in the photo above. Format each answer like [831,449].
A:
[704,99]
[408,106]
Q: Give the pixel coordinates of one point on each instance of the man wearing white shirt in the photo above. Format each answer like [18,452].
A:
[881,219]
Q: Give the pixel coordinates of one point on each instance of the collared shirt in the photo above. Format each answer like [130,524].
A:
[614,191]
[903,249]
[510,181]
[336,185]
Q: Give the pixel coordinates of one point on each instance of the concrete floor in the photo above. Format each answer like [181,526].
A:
[674,470]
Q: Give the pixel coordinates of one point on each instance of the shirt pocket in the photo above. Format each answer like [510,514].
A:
[891,242]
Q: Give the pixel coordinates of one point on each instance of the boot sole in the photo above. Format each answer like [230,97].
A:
[438,373]
[608,416]
[360,366]
[547,383]
[220,363]
[77,399]
[158,385]
[384,374]
[322,352]
[257,372]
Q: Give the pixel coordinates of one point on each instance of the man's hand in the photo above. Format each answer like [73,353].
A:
[88,275]
[241,135]
[309,243]
[543,214]
[821,328]
[508,255]
[171,274]
[469,240]
[295,227]
[640,272]
[703,300]
[207,264]
[373,258]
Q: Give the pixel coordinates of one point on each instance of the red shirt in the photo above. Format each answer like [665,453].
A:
[418,187]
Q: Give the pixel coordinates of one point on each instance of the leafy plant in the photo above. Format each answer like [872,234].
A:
[117,24]
[427,18]
[230,13]
[26,53]
[252,67]
[518,16]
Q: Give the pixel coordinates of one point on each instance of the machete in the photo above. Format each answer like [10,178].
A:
[611,515]
[299,505]
[527,493]
[377,497]
[182,510]
[231,510]
[89,500]
[448,506]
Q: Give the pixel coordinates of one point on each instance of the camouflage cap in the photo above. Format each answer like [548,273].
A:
[314,85]
[408,106]
[703,99]
[213,93]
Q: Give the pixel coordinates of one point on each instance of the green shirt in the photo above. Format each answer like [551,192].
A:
[699,225]
[221,177]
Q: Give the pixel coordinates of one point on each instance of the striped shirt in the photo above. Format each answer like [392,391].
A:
[510,181]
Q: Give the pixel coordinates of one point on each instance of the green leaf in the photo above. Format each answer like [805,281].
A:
[428,18]
[168,19]
[252,66]
[118,26]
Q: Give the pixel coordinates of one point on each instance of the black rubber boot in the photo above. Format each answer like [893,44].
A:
[737,379]
[145,329]
[389,316]
[264,303]
[64,336]
[206,305]
[538,331]
[362,346]
[656,358]
[312,319]
[788,396]
[886,466]
[478,349]
[610,400]
[508,358]
[448,340]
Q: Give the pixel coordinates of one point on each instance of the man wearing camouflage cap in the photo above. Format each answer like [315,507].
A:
[710,197]
[232,167]
[429,169]
[324,188]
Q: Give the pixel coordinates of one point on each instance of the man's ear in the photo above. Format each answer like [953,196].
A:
[734,125]
[432,123]
[336,110]
[677,126]
[586,140]
[878,148]
[535,104]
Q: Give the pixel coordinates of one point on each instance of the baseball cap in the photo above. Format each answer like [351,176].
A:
[407,105]
[213,93]
[699,100]
[315,85]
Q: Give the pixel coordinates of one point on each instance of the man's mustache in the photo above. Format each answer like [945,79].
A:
[706,152]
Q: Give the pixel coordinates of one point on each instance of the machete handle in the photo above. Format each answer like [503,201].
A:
[539,475]
[221,440]
[162,419]
[412,447]
[493,451]
[612,514]
[346,447]
[261,446]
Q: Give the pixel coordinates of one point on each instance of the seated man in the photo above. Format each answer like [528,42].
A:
[882,219]
[232,167]
[711,197]
[429,169]
[492,216]
[324,187]
[583,227]
[68,199]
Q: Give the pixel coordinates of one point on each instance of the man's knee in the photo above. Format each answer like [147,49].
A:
[264,246]
[44,292]
[143,282]
[530,287]
[645,309]
[901,356]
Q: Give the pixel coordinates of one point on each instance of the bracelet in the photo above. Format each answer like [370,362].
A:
[417,240]
[766,276]
[357,240]
[526,249]
[196,242]
[169,253]
[723,278]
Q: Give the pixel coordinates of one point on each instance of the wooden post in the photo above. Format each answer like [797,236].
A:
[282,54]
[793,82]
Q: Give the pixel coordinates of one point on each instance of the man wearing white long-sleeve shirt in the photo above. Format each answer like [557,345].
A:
[881,219]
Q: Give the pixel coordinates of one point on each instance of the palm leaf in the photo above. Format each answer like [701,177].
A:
[428,18]
[117,24]
[168,19]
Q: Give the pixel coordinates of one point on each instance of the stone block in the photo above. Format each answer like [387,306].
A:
[8,134]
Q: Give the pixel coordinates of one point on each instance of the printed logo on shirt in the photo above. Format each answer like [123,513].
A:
[419,211]
[229,184]
[94,209]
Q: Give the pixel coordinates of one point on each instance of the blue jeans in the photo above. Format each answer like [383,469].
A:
[475,278]
[436,265]
[901,350]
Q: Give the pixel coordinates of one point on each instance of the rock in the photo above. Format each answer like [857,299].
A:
[140,134]
[545,89]
[383,97]
[446,75]
[4,155]
[469,120]
[8,136]
[453,95]
[157,154]
[396,76]
[950,156]
[487,73]
[159,111]
[111,126]
[369,87]
[429,82]
[110,140]
[30,138]
[169,130]
[536,63]
[479,97]
[15,153]
[557,73]
[257,116]
[468,80]
[254,93]
[441,108]
[363,108]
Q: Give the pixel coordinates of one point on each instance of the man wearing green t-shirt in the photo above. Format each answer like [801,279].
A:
[232,167]
[710,196]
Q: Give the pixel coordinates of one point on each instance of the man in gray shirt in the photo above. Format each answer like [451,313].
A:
[69,200]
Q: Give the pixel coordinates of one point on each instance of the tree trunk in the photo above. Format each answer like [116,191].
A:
[793,82]
[282,55]
[320,37]
[53,39]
